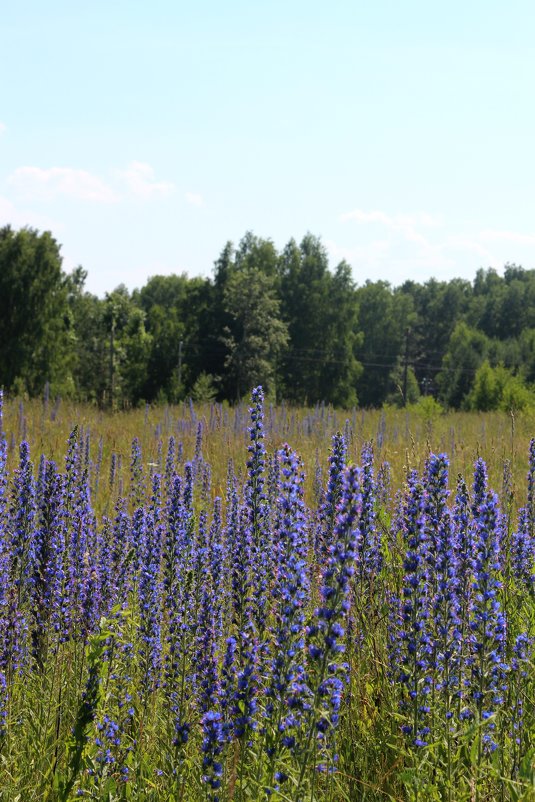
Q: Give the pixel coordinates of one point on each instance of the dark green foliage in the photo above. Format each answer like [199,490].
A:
[321,311]
[384,316]
[285,319]
[257,336]
[177,310]
[466,350]
[90,368]
[247,332]
[36,333]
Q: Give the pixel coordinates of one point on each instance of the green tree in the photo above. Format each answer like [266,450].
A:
[177,310]
[35,320]
[342,369]
[498,388]
[384,315]
[90,368]
[437,307]
[321,312]
[204,390]
[223,329]
[258,335]
[129,348]
[485,394]
[258,253]
[397,381]
[467,349]
[526,353]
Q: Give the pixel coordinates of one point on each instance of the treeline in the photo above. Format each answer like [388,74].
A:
[286,320]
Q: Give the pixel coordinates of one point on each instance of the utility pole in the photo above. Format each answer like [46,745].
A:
[406,366]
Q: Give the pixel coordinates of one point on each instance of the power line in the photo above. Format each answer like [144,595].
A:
[326,356]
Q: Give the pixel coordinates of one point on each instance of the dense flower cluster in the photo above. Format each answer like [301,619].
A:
[226,634]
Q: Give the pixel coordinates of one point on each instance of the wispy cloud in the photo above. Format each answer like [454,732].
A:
[493,235]
[412,243]
[3,128]
[140,181]
[36,183]
[405,224]
[13,215]
[463,244]
[397,221]
[137,180]
[411,227]
[194,198]
[367,253]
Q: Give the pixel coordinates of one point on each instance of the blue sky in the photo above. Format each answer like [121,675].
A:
[146,135]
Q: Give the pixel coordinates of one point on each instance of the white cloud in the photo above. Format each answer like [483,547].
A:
[396,221]
[47,184]
[493,235]
[7,209]
[369,253]
[139,178]
[194,198]
[416,236]
[3,128]
[37,183]
[411,245]
[18,218]
[468,245]
[405,224]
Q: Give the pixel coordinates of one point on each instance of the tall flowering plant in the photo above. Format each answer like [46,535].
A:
[285,691]
[415,645]
[326,673]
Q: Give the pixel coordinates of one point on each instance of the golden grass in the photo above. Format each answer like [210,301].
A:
[403,438]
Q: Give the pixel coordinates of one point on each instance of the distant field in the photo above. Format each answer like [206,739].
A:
[190,609]
[403,438]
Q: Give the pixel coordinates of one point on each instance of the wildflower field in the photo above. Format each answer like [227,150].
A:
[258,603]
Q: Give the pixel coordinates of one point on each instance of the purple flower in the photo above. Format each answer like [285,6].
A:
[206,657]
[326,675]
[228,686]
[170,464]
[149,591]
[257,512]
[415,644]
[531,489]
[444,602]
[48,574]
[487,622]
[286,692]
[137,485]
[217,559]
[327,510]
[383,485]
[522,550]
[212,746]
[23,511]
[370,538]
[3,705]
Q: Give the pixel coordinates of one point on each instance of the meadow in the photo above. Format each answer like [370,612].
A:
[258,602]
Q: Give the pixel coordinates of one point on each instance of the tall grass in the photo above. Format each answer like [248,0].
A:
[192,609]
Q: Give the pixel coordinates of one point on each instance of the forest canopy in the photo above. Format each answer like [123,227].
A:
[287,320]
